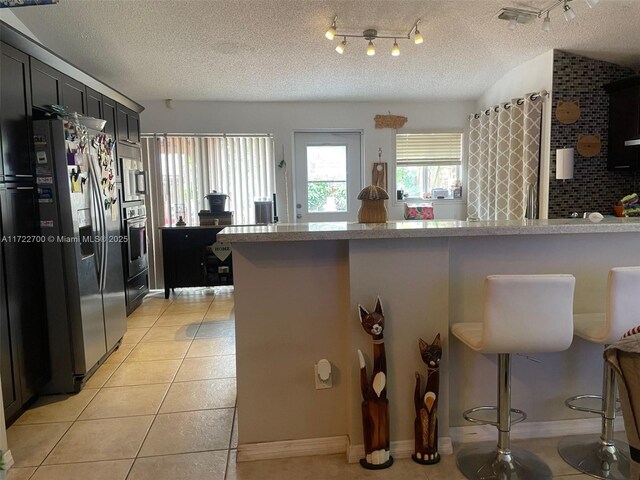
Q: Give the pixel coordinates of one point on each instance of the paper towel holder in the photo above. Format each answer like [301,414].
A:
[564,163]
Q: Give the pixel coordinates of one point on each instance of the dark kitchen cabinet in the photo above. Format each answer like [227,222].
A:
[128,126]
[94,104]
[51,87]
[46,85]
[624,124]
[15,116]
[25,311]
[189,260]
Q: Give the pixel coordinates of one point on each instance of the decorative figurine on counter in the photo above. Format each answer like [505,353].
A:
[373,209]
[375,406]
[426,423]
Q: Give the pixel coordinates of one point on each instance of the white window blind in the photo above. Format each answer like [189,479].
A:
[424,149]
[192,166]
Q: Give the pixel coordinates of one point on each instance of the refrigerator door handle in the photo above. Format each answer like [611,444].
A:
[98,230]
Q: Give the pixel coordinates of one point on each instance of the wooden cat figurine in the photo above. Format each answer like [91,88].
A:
[375,406]
[426,423]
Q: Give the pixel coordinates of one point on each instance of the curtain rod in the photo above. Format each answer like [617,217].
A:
[508,105]
[206,134]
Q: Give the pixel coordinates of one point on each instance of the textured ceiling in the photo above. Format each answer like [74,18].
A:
[275,50]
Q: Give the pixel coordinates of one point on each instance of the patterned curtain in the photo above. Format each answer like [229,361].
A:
[504,159]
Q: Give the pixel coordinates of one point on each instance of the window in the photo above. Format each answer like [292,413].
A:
[428,165]
[327,178]
[191,166]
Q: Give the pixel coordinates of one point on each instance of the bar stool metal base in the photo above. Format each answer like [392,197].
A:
[483,462]
[588,454]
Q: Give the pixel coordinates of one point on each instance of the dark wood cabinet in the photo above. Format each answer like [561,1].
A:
[189,260]
[94,104]
[128,125]
[46,85]
[51,87]
[624,124]
[109,113]
[74,95]
[15,116]
[25,311]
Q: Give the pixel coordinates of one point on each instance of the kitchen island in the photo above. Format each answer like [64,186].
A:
[297,288]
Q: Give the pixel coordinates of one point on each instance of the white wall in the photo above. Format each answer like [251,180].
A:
[531,76]
[9,17]
[282,119]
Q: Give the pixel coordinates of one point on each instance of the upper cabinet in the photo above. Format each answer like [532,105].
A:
[624,124]
[15,115]
[128,126]
[94,104]
[51,87]
[46,85]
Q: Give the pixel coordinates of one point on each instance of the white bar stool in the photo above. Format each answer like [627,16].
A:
[600,455]
[522,314]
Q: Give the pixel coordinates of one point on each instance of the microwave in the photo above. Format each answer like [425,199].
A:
[134,179]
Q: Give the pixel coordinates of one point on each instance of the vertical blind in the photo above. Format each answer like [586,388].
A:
[192,166]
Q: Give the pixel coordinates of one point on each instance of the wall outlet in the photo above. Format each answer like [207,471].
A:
[320,384]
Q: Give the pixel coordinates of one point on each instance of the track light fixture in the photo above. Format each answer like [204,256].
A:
[372,34]
[520,16]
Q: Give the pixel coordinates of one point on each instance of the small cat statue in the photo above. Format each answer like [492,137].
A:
[375,406]
[568,112]
[426,423]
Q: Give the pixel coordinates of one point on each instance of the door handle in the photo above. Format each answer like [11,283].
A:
[298,205]
[299,215]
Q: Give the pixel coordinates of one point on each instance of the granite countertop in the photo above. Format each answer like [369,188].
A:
[421,229]
[200,227]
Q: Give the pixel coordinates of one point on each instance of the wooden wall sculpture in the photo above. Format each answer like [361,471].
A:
[390,121]
[426,423]
[375,406]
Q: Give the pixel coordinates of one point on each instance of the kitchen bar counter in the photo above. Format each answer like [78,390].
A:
[297,290]
[419,229]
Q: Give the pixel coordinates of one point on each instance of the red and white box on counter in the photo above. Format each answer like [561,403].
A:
[423,211]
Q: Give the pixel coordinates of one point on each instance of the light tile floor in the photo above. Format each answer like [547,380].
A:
[163,408]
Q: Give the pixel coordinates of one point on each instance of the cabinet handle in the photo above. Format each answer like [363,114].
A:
[621,166]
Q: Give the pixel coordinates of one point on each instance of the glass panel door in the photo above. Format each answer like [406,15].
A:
[328,176]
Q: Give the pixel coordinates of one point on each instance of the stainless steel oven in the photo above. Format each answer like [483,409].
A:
[134,179]
[135,227]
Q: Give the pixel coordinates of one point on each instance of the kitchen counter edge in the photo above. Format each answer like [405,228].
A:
[421,229]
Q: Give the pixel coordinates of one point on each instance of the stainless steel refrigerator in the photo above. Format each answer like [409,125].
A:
[80,225]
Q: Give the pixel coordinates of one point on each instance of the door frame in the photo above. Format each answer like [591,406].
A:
[359,131]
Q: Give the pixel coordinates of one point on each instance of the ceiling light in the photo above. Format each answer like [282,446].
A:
[371,34]
[517,16]
[371,49]
[331,33]
[569,14]
[395,51]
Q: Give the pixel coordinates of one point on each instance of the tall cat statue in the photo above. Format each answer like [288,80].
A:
[426,423]
[375,406]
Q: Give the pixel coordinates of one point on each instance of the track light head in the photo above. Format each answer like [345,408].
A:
[371,49]
[546,24]
[569,14]
[395,51]
[331,33]
[417,37]
[341,46]
[592,3]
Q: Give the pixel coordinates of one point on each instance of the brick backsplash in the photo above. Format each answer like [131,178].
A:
[593,188]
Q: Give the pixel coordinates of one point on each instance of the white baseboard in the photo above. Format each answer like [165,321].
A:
[292,448]
[526,430]
[8,459]
[400,449]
